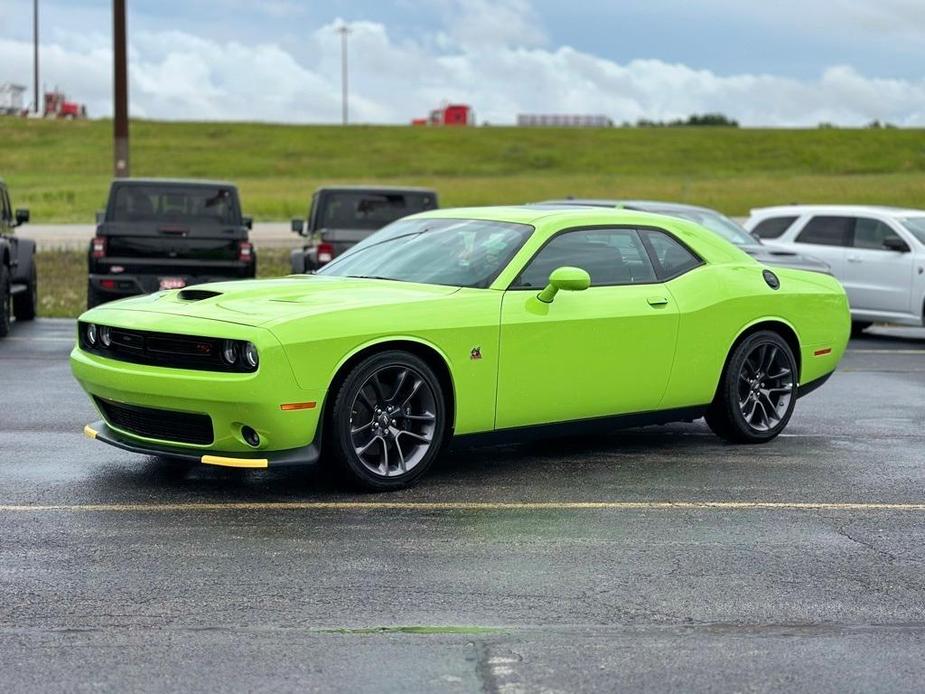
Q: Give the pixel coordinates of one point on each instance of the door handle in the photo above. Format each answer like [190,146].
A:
[854,259]
[657,300]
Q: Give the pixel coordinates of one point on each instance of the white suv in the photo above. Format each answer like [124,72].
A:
[878,254]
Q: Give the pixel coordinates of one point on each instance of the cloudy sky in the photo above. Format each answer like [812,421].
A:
[787,62]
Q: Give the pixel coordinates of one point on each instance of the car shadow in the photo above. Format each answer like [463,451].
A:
[563,466]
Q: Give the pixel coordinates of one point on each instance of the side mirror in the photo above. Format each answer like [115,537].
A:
[894,243]
[22,216]
[100,217]
[248,222]
[572,279]
[297,226]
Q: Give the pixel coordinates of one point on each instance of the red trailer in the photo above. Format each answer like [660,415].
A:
[448,114]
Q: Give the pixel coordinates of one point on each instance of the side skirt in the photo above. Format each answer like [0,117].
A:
[579,427]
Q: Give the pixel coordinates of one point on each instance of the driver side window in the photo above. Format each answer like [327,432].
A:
[610,256]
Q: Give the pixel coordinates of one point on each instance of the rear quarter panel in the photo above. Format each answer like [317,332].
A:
[718,303]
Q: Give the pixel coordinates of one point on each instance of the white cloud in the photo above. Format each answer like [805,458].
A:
[490,55]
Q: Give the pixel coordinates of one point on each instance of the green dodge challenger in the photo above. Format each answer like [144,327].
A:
[477,325]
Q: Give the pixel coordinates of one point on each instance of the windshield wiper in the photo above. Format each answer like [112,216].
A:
[375,277]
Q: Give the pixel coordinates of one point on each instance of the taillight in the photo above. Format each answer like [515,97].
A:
[325,252]
[245,251]
[99,247]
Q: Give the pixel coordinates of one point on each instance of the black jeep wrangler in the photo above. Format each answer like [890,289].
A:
[18,279]
[341,216]
[165,234]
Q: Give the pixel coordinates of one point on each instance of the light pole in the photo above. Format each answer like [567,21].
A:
[120,150]
[35,53]
[343,30]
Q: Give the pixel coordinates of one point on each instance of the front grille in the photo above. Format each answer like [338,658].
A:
[164,349]
[152,423]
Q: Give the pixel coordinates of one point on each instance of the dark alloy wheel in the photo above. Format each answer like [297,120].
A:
[388,421]
[758,391]
[5,303]
[25,304]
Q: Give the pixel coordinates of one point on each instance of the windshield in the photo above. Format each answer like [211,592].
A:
[715,222]
[916,225]
[455,252]
[371,211]
[199,204]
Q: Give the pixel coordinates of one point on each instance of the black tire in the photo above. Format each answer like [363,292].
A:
[5,302]
[94,296]
[858,327]
[743,386]
[358,397]
[25,304]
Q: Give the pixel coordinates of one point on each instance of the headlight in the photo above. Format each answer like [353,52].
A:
[230,352]
[250,355]
[91,334]
[105,335]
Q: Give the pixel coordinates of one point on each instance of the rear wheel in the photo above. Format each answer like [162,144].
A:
[388,422]
[757,394]
[25,303]
[5,303]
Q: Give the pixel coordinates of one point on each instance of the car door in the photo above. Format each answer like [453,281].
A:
[878,278]
[826,237]
[603,351]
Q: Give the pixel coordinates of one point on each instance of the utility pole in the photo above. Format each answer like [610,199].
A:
[120,148]
[35,53]
[343,30]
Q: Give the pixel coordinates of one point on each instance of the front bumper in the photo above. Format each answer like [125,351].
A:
[270,401]
[305,455]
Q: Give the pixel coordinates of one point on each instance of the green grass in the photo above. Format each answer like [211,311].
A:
[63,279]
[61,170]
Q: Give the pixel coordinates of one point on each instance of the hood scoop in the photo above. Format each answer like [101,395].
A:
[196,294]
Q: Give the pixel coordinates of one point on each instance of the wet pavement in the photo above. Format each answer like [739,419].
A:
[657,558]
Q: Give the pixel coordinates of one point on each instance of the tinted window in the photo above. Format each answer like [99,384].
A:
[610,256]
[671,257]
[356,210]
[773,227]
[871,233]
[827,231]
[184,205]
[456,252]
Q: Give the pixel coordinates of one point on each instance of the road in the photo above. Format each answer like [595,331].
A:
[699,566]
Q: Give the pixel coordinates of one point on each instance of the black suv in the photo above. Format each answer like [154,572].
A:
[342,216]
[166,234]
[18,279]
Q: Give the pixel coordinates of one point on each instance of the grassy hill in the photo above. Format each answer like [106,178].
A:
[62,169]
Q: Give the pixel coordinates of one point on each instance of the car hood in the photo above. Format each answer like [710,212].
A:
[259,302]
[770,255]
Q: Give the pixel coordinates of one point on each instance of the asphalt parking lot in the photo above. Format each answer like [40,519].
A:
[656,558]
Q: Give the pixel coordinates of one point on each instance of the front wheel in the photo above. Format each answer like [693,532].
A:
[758,390]
[388,422]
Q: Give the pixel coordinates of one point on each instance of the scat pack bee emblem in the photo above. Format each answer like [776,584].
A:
[476,353]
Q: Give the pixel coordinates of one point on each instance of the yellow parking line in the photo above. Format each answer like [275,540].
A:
[885,351]
[473,506]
